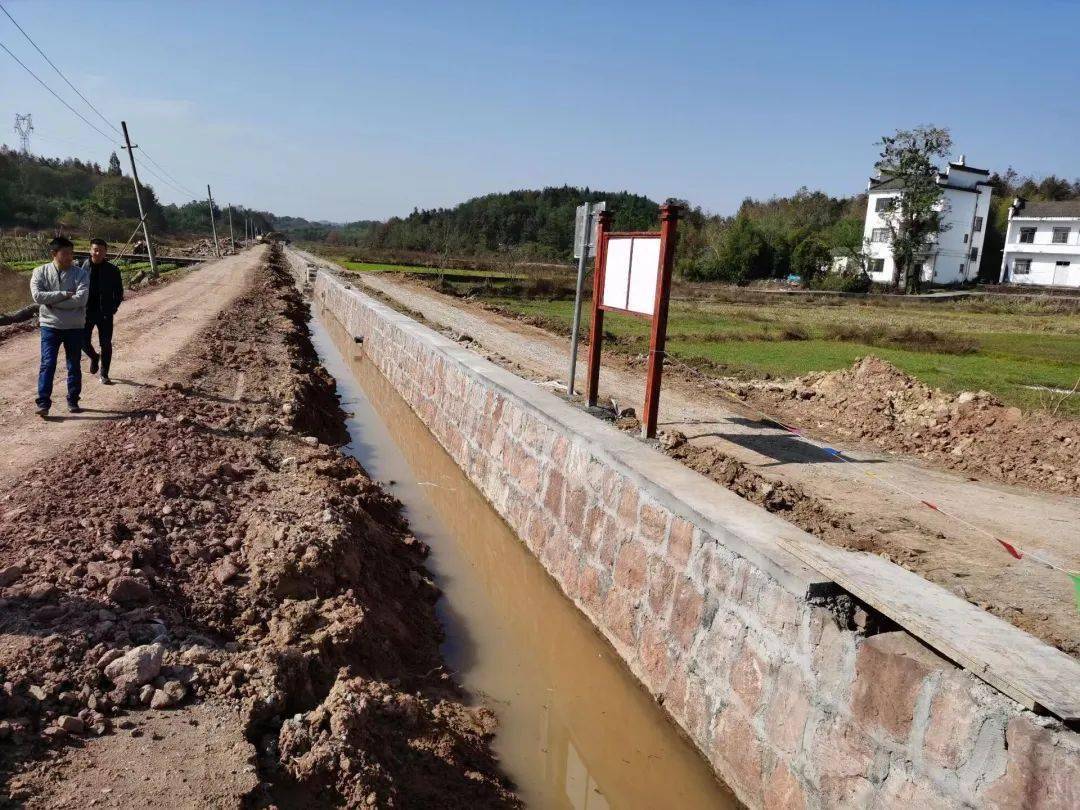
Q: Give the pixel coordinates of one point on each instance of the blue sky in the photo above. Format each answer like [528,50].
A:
[366,109]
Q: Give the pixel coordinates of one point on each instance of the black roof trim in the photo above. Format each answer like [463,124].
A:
[972,169]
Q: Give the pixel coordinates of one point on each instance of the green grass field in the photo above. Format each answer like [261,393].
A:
[956,346]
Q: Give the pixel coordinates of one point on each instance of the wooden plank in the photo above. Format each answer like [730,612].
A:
[1026,669]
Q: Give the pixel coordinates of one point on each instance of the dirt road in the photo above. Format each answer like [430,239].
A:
[226,611]
[829,498]
[150,329]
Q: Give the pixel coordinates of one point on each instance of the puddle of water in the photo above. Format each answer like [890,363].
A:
[14,290]
[575,728]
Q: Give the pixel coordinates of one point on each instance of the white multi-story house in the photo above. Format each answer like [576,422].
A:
[1042,243]
[954,255]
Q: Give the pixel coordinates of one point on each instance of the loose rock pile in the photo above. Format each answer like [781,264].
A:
[205,247]
[974,432]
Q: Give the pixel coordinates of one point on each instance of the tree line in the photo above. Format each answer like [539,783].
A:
[41,193]
[798,234]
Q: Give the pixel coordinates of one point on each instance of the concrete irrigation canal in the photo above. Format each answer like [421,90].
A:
[576,730]
[314,553]
[803,674]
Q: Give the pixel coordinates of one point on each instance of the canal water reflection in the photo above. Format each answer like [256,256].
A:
[575,729]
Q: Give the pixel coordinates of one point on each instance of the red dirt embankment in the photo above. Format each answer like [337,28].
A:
[212,556]
[877,403]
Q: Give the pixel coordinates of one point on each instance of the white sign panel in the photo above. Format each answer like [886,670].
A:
[580,228]
[644,271]
[631,271]
[617,273]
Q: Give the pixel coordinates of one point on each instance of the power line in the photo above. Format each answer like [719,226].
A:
[162,170]
[37,78]
[174,184]
[58,71]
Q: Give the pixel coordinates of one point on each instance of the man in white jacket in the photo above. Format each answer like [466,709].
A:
[60,288]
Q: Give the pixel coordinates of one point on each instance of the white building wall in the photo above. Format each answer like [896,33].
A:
[1047,257]
[950,259]
[878,250]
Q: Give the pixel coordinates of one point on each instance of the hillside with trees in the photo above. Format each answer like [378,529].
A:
[44,194]
[535,224]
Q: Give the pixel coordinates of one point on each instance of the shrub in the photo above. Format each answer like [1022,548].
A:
[842,282]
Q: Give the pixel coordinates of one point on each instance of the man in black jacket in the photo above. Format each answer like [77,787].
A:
[106,293]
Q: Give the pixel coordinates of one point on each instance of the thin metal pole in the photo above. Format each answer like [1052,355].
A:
[232,238]
[582,259]
[138,199]
[596,330]
[213,224]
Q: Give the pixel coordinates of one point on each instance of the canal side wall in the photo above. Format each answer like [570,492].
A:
[740,642]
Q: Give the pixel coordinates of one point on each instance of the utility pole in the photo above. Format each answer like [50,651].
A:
[232,239]
[138,198]
[213,224]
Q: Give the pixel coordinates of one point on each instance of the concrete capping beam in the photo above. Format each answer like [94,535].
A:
[743,528]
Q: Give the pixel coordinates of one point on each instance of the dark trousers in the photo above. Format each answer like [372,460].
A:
[104,324]
[51,340]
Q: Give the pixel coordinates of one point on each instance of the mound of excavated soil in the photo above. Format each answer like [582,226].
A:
[875,402]
[212,553]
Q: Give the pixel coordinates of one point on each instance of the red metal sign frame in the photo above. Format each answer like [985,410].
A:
[669,217]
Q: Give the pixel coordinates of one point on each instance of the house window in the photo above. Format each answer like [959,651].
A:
[965,238]
[1021,267]
[978,225]
[877,265]
[883,204]
[974,254]
[1062,264]
[1027,235]
[879,235]
[961,268]
[1061,236]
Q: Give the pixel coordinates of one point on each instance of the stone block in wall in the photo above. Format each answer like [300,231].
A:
[783,791]
[1043,771]
[890,670]
[957,717]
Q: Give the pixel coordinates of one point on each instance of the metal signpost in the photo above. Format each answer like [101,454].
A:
[633,277]
[584,243]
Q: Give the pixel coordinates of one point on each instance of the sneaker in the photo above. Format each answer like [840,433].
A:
[105,379]
[42,411]
[74,408]
[94,364]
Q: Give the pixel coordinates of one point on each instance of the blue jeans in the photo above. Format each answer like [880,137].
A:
[51,340]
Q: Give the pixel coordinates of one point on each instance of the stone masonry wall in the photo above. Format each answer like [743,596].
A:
[792,708]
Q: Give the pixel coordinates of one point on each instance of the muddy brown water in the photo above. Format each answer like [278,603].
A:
[14,290]
[576,730]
